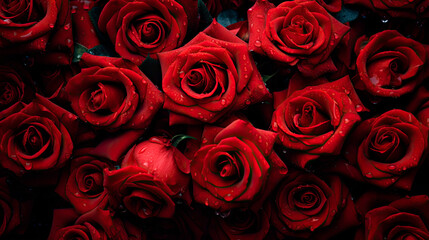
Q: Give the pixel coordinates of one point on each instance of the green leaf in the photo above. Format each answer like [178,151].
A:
[102,50]
[205,17]
[228,17]
[179,138]
[265,78]
[346,14]
[79,50]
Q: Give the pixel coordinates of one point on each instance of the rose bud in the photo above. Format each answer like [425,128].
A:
[140,28]
[297,32]
[210,77]
[306,206]
[389,64]
[162,160]
[316,120]
[387,150]
[36,137]
[28,26]
[113,93]
[138,192]
[235,166]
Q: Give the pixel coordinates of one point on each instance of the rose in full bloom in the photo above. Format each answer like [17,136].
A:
[210,77]
[397,8]
[27,27]
[306,206]
[82,183]
[388,149]
[140,28]
[240,224]
[297,32]
[235,166]
[36,136]
[112,93]
[14,86]
[159,158]
[389,64]
[405,218]
[96,224]
[139,192]
[317,119]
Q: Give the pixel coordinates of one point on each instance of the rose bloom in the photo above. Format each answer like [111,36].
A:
[36,136]
[210,77]
[82,183]
[14,86]
[405,218]
[306,206]
[96,224]
[139,192]
[389,64]
[113,93]
[235,166]
[297,32]
[27,27]
[388,149]
[140,28]
[317,119]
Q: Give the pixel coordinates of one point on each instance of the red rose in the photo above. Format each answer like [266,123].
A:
[165,162]
[96,224]
[305,203]
[139,192]
[317,119]
[140,28]
[235,166]
[297,32]
[82,184]
[388,149]
[389,64]
[113,93]
[210,77]
[406,218]
[240,224]
[27,27]
[14,86]
[36,137]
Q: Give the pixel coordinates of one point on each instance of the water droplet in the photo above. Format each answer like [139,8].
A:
[260,16]
[346,120]
[67,26]
[229,197]
[368,175]
[142,150]
[258,43]
[225,214]
[73,10]
[384,20]
[51,25]
[359,108]
[205,140]
[244,58]
[248,102]
[391,167]
[28,166]
[223,101]
[69,42]
[206,202]
[275,126]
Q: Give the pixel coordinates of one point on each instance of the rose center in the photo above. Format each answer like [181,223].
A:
[21,11]
[7,94]
[33,140]
[296,32]
[206,79]
[90,181]
[105,99]
[306,197]
[148,31]
[385,145]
